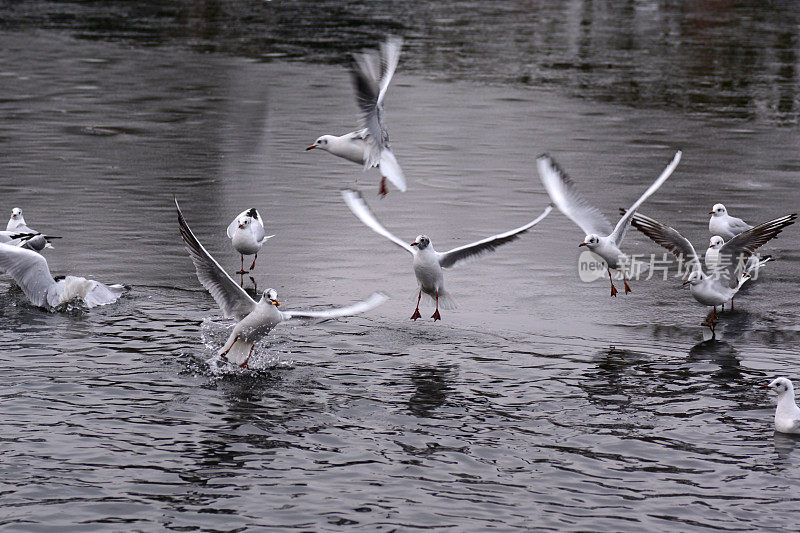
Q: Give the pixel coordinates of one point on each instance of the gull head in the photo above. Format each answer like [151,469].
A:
[421,242]
[271,296]
[716,242]
[16,213]
[591,241]
[718,210]
[694,278]
[321,142]
[244,222]
[781,386]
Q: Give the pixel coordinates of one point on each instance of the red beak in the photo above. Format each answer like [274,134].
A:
[311,147]
[764,386]
[711,212]
[685,282]
[241,226]
[582,244]
[414,244]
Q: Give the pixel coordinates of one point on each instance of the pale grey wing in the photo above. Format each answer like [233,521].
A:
[231,298]
[624,222]
[390,168]
[29,270]
[361,210]
[376,299]
[669,238]
[489,244]
[741,247]
[737,225]
[390,55]
[366,81]
[568,200]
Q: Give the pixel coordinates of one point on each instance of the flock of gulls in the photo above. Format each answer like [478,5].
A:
[729,261]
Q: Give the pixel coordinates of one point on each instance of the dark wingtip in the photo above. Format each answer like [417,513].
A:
[252,212]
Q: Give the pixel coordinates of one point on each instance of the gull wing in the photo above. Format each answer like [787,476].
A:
[624,222]
[390,168]
[565,196]
[738,225]
[669,238]
[489,244]
[231,298]
[361,210]
[742,246]
[29,270]
[376,299]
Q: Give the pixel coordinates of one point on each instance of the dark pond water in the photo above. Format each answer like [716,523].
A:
[539,403]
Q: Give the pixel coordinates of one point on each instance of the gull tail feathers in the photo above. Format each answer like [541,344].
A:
[446,301]
[391,170]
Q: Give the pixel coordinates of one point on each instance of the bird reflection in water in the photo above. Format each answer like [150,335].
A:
[431,387]
[722,354]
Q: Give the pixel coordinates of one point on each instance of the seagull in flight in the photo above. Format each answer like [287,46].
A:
[713,290]
[724,225]
[255,319]
[369,145]
[428,263]
[787,414]
[31,272]
[247,235]
[601,238]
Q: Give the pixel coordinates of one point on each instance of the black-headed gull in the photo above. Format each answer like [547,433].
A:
[18,233]
[725,283]
[247,235]
[724,225]
[369,145]
[601,238]
[256,319]
[428,263]
[787,414]
[713,261]
[30,271]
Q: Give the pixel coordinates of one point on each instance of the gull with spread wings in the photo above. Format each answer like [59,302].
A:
[428,263]
[601,238]
[369,145]
[255,319]
[713,290]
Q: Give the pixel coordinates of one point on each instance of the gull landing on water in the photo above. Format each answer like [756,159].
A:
[600,237]
[255,319]
[19,234]
[369,145]
[31,273]
[717,289]
[428,263]
[247,235]
[787,414]
[724,225]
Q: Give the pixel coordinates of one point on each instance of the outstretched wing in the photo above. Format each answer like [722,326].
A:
[489,244]
[231,298]
[370,303]
[669,238]
[29,270]
[361,210]
[624,222]
[565,196]
[741,247]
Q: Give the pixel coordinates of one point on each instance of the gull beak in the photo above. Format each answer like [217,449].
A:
[685,282]
[414,244]
[241,226]
[311,147]
[582,244]
[711,212]
[276,303]
[764,387]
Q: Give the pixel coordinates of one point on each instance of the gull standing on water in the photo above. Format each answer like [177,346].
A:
[725,283]
[787,414]
[428,263]
[724,225]
[600,237]
[369,145]
[255,319]
[247,235]
[713,261]
[30,271]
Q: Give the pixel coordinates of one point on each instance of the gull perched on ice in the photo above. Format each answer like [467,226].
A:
[369,145]
[428,263]
[724,225]
[600,237]
[247,234]
[18,233]
[787,414]
[255,319]
[719,288]
[30,271]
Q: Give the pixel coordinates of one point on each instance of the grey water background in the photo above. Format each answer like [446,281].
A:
[539,403]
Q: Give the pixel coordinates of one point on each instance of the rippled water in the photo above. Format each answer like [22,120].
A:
[539,402]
